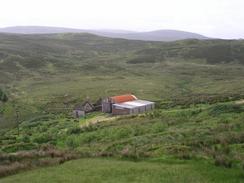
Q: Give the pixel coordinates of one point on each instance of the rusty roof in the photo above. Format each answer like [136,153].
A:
[123,98]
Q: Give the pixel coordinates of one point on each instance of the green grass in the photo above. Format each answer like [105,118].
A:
[204,131]
[194,84]
[111,170]
[48,70]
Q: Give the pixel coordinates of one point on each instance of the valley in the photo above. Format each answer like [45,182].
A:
[196,128]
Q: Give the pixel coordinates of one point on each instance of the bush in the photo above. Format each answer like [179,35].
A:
[154,114]
[182,152]
[159,127]
[120,133]
[89,128]
[75,130]
[42,138]
[25,139]
[225,108]
[222,160]
[72,142]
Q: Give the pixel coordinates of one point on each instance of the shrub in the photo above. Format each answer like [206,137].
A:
[75,130]
[225,108]
[72,142]
[89,128]
[42,138]
[133,153]
[182,152]
[158,127]
[222,160]
[130,153]
[154,114]
[120,133]
[25,139]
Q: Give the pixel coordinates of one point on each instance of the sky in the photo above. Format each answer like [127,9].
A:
[213,18]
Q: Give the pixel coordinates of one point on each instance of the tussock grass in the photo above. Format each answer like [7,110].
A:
[25,160]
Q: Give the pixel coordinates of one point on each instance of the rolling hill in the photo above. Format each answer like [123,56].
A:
[159,35]
[22,55]
[196,129]
[50,66]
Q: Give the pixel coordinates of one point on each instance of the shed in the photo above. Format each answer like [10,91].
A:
[108,102]
[126,104]
[132,107]
[81,109]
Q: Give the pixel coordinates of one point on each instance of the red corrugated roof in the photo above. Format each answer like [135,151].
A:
[123,98]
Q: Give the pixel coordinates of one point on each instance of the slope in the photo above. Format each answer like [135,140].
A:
[40,70]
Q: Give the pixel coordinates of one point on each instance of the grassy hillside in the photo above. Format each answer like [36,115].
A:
[41,70]
[197,85]
[110,170]
[203,133]
[198,131]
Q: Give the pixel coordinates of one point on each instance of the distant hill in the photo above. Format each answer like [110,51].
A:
[37,30]
[158,35]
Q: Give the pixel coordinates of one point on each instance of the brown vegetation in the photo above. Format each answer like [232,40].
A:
[46,155]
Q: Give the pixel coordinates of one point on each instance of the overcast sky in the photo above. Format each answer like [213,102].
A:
[214,18]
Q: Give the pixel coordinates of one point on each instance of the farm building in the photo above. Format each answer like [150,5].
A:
[126,104]
[81,109]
